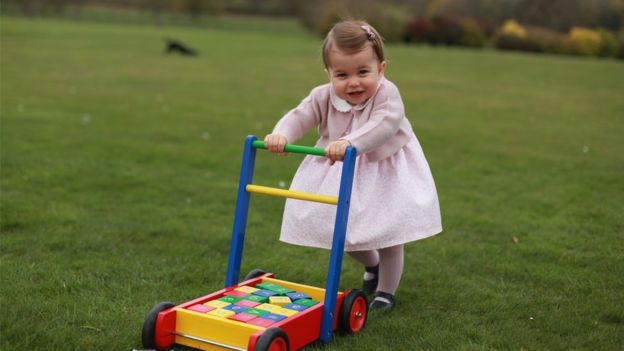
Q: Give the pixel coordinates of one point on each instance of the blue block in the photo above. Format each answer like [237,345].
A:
[235,308]
[294,306]
[297,295]
[264,293]
[273,317]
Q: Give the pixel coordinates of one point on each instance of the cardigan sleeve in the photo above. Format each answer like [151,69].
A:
[384,122]
[299,120]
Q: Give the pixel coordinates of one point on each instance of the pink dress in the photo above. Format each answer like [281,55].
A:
[394,199]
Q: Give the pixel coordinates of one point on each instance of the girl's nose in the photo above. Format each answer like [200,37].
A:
[353,82]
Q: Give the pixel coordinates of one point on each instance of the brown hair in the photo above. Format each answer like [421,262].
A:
[352,37]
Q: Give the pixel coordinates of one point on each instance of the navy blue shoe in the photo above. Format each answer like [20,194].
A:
[381,305]
[369,286]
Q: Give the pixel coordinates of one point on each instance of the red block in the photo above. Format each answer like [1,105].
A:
[200,308]
[242,317]
[236,293]
[261,322]
[247,303]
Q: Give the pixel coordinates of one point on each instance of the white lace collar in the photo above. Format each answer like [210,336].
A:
[343,106]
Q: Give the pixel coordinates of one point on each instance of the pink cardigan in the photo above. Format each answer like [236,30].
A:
[377,128]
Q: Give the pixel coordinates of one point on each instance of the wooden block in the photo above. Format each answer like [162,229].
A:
[283,291]
[285,312]
[247,303]
[235,308]
[217,304]
[236,293]
[306,302]
[221,313]
[229,299]
[297,296]
[273,317]
[296,307]
[255,312]
[246,289]
[267,307]
[278,289]
[242,317]
[256,298]
[264,293]
[267,286]
[279,300]
[201,308]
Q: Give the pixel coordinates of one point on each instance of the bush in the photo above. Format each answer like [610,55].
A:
[608,43]
[416,30]
[471,33]
[514,42]
[548,40]
[445,31]
[390,21]
[513,28]
[583,41]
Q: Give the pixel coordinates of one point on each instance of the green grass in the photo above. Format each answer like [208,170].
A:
[119,169]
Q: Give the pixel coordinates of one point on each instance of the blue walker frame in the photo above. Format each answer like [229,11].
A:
[340,229]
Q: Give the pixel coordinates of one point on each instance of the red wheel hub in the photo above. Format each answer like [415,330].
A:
[357,316]
[278,344]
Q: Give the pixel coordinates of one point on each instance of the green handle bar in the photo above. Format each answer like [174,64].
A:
[297,149]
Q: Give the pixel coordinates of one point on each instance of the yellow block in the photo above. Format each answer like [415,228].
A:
[265,190]
[315,293]
[221,313]
[285,312]
[217,304]
[279,300]
[247,289]
[268,307]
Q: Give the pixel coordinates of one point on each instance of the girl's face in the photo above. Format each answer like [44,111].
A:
[355,76]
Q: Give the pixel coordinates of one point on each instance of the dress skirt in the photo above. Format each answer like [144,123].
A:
[393,201]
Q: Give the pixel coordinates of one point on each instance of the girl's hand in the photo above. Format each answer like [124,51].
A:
[335,151]
[275,143]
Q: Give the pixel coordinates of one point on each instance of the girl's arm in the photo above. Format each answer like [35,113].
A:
[384,121]
[300,119]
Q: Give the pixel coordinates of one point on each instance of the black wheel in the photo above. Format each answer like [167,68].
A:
[254,273]
[353,312]
[149,327]
[273,339]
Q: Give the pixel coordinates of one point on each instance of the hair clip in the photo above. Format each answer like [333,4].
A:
[369,33]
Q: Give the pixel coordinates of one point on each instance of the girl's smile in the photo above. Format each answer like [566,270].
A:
[355,75]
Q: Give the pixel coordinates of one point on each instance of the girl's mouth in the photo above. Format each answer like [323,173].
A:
[355,94]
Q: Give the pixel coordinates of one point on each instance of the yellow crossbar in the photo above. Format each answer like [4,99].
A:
[258,189]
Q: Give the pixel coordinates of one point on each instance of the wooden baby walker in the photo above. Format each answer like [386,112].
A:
[263,313]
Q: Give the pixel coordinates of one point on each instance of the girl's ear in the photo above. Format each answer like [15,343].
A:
[327,72]
[382,67]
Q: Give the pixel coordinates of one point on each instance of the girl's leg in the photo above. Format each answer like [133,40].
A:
[370,260]
[390,271]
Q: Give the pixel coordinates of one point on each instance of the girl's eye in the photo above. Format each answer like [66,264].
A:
[363,72]
[341,75]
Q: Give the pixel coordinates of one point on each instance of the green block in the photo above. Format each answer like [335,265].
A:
[256,298]
[255,312]
[283,291]
[280,290]
[306,302]
[268,286]
[230,299]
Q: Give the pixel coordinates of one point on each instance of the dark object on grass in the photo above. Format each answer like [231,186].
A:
[176,46]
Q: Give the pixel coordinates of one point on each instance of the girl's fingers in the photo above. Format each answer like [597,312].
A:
[275,142]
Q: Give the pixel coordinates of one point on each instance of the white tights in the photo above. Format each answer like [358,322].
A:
[390,260]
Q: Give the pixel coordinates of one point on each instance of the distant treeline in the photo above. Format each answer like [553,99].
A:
[581,27]
[558,15]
